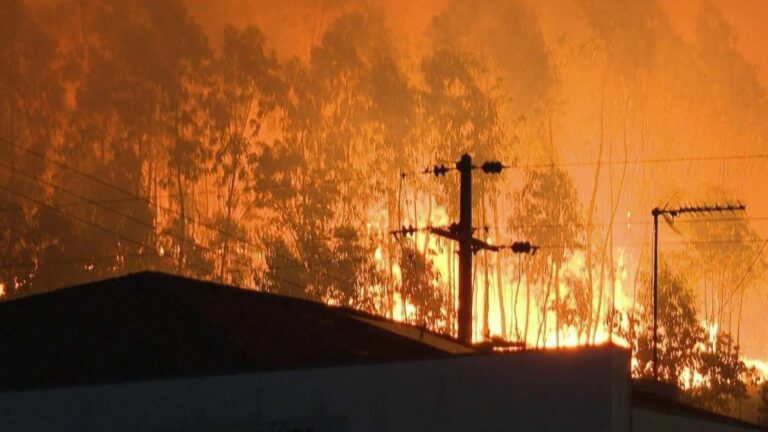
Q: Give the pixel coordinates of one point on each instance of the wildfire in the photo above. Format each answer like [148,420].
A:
[712,334]
[760,366]
[275,166]
[403,311]
[503,313]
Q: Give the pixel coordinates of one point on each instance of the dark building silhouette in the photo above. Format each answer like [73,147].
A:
[154,352]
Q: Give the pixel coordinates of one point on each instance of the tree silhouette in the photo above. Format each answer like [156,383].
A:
[706,366]
[548,213]
[245,86]
[762,410]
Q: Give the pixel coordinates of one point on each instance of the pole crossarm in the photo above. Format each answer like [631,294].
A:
[463,233]
[477,244]
[488,167]
[451,232]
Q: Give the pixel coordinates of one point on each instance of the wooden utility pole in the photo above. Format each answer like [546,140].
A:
[462,233]
[464,166]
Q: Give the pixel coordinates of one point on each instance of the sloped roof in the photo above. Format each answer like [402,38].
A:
[152,325]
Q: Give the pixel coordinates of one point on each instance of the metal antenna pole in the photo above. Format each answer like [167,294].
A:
[673,212]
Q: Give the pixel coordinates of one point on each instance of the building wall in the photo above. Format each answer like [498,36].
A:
[646,420]
[533,391]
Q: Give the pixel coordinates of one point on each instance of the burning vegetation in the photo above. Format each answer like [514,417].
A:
[149,135]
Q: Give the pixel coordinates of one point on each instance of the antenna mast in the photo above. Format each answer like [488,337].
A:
[672,213]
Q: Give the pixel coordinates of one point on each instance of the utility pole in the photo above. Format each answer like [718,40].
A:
[463,234]
[465,249]
[672,213]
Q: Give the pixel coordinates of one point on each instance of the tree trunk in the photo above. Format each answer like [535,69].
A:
[558,306]
[601,287]
[592,201]
[499,277]
[182,222]
[544,313]
[515,298]
[738,323]
[428,222]
[230,208]
[527,307]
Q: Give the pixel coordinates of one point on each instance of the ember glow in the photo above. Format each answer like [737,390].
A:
[277,145]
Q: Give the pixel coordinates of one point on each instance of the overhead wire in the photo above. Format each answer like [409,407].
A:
[639,161]
[744,276]
[149,202]
[135,197]
[149,225]
[79,219]
[104,207]
[652,161]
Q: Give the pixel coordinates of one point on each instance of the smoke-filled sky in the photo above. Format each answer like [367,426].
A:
[290,24]
[294,26]
[672,93]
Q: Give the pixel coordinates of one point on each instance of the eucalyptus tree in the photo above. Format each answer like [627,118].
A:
[548,213]
[343,120]
[244,84]
[762,410]
[706,366]
[31,117]
[726,266]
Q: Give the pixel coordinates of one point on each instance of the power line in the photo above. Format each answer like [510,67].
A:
[91,177]
[149,225]
[335,277]
[746,273]
[76,204]
[147,200]
[95,225]
[679,243]
[104,207]
[640,223]
[486,227]
[138,198]
[440,169]
[649,161]
[78,219]
[135,197]
[59,262]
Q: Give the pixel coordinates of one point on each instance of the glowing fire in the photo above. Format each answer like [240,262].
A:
[760,366]
[214,222]
[542,330]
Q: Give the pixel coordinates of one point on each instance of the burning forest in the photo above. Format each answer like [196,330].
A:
[292,147]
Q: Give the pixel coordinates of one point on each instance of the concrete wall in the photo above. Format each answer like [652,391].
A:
[535,391]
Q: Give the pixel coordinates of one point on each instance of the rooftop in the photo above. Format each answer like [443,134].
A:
[152,326]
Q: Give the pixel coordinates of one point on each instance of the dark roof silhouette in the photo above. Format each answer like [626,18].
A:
[151,326]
